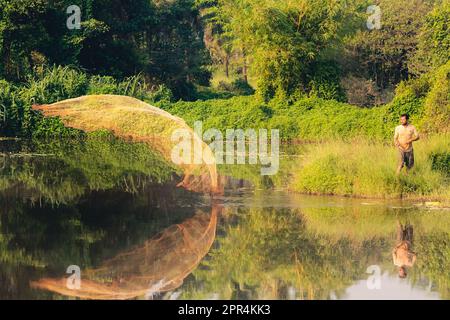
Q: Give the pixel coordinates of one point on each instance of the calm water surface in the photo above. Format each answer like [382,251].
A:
[114,211]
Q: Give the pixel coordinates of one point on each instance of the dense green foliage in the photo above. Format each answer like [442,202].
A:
[434,40]
[437,103]
[299,53]
[384,55]
[288,47]
[284,42]
[310,47]
[161,39]
[425,99]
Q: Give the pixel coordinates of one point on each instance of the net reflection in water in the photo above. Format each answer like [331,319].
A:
[158,265]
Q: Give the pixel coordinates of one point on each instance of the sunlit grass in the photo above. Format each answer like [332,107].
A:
[359,168]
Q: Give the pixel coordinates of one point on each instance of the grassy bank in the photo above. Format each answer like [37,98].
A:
[367,169]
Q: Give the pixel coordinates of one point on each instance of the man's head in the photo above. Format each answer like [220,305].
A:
[402,272]
[404,119]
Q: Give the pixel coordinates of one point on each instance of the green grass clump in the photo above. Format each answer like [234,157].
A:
[368,169]
[441,162]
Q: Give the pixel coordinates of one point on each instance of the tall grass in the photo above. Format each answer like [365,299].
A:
[368,169]
[60,83]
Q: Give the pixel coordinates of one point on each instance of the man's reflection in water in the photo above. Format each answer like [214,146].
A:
[402,253]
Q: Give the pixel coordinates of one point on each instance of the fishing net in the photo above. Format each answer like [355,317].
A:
[160,264]
[137,121]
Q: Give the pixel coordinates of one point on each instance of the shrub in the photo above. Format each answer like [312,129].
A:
[102,85]
[325,82]
[57,83]
[241,87]
[437,102]
[238,87]
[441,161]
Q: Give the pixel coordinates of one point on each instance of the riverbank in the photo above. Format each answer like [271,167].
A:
[363,169]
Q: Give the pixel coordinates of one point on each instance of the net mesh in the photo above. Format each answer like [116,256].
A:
[137,121]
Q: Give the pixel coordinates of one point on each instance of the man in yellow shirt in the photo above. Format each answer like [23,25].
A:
[404,136]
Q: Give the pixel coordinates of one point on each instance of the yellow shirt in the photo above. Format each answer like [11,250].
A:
[403,134]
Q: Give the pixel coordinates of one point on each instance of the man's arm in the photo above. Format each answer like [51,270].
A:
[396,138]
[415,135]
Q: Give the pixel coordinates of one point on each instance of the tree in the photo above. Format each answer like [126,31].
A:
[28,27]
[284,40]
[177,53]
[434,41]
[218,41]
[382,54]
[161,39]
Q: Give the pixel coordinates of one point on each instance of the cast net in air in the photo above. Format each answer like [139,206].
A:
[138,121]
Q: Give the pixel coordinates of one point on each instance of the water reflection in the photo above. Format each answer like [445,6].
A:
[123,242]
[134,234]
[271,248]
[402,254]
[158,265]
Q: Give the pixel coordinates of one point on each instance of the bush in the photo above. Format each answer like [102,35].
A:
[102,85]
[437,103]
[56,84]
[441,162]
[160,94]
[325,82]
[8,110]
[305,119]
[238,87]
[241,87]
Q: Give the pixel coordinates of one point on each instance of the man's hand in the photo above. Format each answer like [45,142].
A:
[413,139]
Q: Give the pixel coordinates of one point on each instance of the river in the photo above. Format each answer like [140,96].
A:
[104,222]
